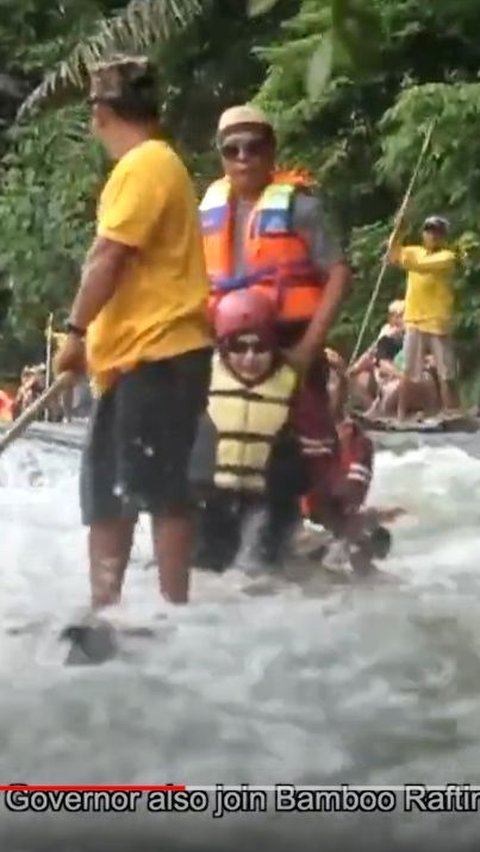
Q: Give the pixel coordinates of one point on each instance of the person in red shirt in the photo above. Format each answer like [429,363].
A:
[359,534]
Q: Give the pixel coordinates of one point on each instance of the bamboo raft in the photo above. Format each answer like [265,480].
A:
[382,430]
[460,424]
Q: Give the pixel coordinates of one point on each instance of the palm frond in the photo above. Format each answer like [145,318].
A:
[141,24]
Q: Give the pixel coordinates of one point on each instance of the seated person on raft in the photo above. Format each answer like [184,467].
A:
[337,383]
[362,378]
[247,459]
[389,371]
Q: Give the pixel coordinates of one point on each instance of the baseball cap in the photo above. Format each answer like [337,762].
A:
[436,223]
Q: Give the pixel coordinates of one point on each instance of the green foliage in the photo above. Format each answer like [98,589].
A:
[52,172]
[351,85]
[132,29]
[362,136]
[5,302]
[259,7]
[348,36]
[50,184]
[456,107]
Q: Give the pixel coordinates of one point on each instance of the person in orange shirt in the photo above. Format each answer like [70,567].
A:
[142,306]
[6,405]
[266,230]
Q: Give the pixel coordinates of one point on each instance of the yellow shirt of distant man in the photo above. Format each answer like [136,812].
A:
[159,308]
[429,299]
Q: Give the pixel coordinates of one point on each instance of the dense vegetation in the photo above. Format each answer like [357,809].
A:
[394,65]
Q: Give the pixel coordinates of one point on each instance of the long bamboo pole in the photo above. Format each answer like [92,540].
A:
[30,414]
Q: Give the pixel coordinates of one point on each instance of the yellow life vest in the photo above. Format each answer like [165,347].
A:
[247,420]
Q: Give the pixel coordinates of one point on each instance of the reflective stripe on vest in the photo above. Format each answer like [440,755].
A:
[277,258]
[247,421]
[356,459]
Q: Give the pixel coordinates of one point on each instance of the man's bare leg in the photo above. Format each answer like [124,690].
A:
[375,409]
[449,396]
[390,400]
[428,396]
[172,543]
[360,387]
[110,543]
[403,398]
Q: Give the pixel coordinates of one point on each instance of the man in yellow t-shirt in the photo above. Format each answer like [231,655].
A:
[142,307]
[428,316]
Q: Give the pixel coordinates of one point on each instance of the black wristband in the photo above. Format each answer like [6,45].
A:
[70,328]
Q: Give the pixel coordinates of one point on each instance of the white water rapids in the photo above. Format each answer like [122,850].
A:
[364,683]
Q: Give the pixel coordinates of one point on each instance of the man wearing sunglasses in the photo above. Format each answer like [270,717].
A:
[266,230]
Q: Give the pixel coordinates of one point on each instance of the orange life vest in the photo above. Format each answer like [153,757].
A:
[276,258]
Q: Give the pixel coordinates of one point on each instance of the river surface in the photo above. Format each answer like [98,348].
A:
[372,683]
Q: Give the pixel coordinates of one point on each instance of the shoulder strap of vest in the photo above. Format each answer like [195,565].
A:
[278,196]
[281,384]
[216,195]
[278,388]
[222,381]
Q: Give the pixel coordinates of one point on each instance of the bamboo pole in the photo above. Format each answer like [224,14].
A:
[63,381]
[396,229]
[48,362]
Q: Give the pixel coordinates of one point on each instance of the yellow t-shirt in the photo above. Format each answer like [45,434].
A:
[159,307]
[429,297]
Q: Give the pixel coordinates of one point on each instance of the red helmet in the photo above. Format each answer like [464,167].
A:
[244,311]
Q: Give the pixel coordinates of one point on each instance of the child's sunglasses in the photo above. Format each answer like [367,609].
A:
[241,347]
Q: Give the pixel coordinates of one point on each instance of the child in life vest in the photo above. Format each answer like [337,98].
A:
[246,464]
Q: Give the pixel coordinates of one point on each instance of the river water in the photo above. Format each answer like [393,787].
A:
[373,683]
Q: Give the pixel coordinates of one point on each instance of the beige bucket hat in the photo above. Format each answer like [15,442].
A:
[245,114]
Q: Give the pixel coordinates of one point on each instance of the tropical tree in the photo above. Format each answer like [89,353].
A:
[51,169]
[362,135]
[352,86]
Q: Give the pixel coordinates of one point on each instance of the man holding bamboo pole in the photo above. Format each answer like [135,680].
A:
[141,306]
[428,310]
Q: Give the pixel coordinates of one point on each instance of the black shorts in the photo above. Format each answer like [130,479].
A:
[140,438]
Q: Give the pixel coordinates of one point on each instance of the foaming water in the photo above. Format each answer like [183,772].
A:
[373,682]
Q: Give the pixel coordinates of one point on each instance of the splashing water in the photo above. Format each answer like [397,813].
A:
[365,683]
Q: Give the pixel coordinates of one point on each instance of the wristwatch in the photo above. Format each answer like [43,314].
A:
[70,328]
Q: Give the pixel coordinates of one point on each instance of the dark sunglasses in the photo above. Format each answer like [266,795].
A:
[249,148]
[241,347]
